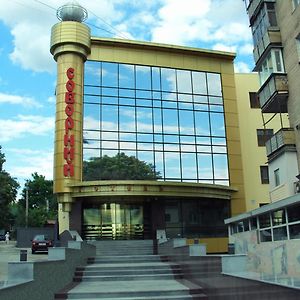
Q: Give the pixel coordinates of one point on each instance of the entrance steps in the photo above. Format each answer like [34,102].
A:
[129,277]
[123,247]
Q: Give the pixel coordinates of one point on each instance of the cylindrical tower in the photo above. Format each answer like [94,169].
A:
[70,45]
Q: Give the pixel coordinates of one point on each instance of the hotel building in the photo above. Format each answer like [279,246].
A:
[172,107]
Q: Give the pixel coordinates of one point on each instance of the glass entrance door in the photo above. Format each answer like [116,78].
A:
[114,221]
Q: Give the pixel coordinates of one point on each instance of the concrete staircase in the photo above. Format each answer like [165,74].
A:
[126,270]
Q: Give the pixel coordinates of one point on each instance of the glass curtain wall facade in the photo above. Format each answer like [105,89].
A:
[172,119]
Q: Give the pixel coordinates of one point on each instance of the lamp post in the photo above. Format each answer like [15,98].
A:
[26,207]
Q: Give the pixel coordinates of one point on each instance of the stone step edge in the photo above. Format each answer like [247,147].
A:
[125,293]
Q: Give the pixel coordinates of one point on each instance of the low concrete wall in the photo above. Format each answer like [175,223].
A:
[181,248]
[207,271]
[42,279]
[278,258]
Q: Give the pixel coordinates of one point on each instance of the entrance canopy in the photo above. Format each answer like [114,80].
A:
[150,188]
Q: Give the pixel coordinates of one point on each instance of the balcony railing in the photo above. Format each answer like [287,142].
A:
[272,36]
[273,94]
[253,8]
[283,137]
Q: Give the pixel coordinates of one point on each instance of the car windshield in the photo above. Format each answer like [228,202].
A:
[40,238]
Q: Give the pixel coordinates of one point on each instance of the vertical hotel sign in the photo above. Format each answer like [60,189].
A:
[69,140]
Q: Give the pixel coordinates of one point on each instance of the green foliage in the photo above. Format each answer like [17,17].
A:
[8,192]
[42,204]
[119,167]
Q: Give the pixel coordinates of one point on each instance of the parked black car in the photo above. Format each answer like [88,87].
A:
[41,242]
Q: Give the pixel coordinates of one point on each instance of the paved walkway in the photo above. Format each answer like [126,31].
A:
[11,253]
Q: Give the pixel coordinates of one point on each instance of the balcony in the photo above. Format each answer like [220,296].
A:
[254,7]
[273,94]
[272,36]
[285,137]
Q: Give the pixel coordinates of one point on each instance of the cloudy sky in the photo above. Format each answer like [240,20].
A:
[27,70]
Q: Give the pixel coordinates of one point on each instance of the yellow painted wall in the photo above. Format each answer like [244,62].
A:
[253,156]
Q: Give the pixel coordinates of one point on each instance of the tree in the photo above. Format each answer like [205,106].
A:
[42,204]
[118,167]
[8,192]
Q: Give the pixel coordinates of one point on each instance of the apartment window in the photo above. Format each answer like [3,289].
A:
[253,223]
[296,3]
[264,220]
[264,174]
[273,63]
[254,100]
[277,177]
[278,217]
[263,135]
[265,18]
[282,224]
[298,45]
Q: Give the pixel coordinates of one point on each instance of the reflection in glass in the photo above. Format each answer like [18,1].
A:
[171,118]
[189,166]
[214,84]
[220,166]
[217,124]
[199,83]
[127,118]
[186,121]
[205,169]
[143,78]
[92,73]
[143,94]
[280,233]
[294,231]
[91,116]
[170,121]
[264,220]
[127,93]
[109,116]
[126,78]
[156,78]
[172,165]
[184,84]
[168,80]
[159,162]
[109,74]
[202,123]
[92,91]
[265,235]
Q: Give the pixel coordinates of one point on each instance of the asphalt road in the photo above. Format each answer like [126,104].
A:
[11,253]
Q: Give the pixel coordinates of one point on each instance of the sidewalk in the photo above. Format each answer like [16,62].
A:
[11,253]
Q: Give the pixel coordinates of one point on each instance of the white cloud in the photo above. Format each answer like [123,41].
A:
[30,161]
[30,23]
[51,99]
[222,47]
[26,47]
[241,67]
[22,125]
[188,21]
[16,99]
[246,49]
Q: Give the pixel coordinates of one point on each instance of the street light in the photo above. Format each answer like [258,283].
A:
[26,206]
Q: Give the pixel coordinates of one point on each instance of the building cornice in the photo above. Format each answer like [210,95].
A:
[162,47]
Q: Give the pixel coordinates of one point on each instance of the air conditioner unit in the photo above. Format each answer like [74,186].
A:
[297,187]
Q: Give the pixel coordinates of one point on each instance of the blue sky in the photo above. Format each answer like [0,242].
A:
[27,69]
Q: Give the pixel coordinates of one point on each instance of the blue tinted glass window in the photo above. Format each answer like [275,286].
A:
[172,119]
